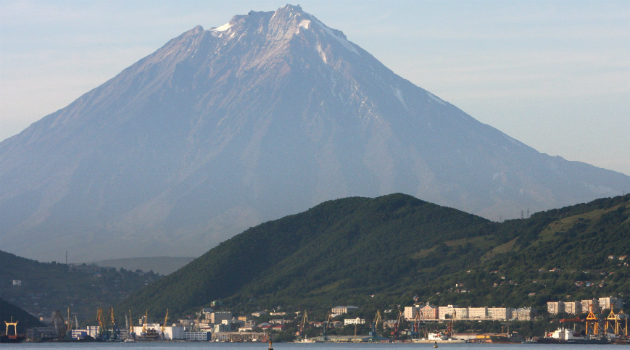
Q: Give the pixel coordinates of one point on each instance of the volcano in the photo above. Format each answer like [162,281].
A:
[262,117]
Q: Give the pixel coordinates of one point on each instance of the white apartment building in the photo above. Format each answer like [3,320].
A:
[500,313]
[555,307]
[460,313]
[588,304]
[610,302]
[444,311]
[410,312]
[573,307]
[218,317]
[480,313]
[340,310]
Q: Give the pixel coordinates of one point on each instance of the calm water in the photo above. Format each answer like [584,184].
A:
[288,346]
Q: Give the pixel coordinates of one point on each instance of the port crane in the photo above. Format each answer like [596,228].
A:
[416,324]
[592,323]
[396,331]
[115,331]
[377,319]
[101,324]
[144,322]
[303,324]
[328,320]
[164,324]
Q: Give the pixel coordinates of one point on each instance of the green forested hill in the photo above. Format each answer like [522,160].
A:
[381,252]
[46,287]
[341,248]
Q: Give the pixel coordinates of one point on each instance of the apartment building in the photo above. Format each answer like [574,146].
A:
[444,311]
[610,302]
[590,305]
[477,313]
[499,313]
[573,307]
[555,307]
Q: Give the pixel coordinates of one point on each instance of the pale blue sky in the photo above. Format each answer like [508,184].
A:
[553,74]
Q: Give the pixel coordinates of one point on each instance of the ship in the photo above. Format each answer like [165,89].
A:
[568,336]
[438,337]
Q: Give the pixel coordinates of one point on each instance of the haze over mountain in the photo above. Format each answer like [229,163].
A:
[267,115]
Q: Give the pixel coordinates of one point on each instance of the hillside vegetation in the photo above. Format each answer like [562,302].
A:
[383,251]
[46,287]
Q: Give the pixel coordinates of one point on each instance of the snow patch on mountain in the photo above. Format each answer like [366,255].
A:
[435,98]
[344,42]
[222,28]
[399,95]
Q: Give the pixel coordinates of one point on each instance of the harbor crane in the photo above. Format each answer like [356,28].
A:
[416,324]
[115,332]
[326,324]
[303,324]
[164,324]
[592,323]
[396,331]
[101,323]
[144,323]
[377,319]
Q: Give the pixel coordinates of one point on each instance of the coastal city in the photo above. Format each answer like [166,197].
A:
[417,323]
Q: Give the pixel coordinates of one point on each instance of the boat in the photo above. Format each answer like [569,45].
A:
[15,338]
[568,336]
[438,337]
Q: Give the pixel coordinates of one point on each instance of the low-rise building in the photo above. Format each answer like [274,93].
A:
[523,314]
[222,327]
[218,317]
[357,320]
[340,310]
[278,321]
[197,336]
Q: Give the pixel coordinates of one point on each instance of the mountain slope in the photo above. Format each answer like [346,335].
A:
[265,116]
[381,252]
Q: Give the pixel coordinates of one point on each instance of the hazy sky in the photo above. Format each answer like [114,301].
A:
[552,74]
